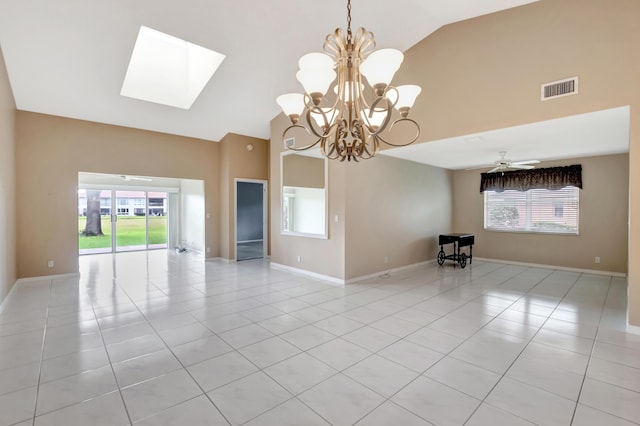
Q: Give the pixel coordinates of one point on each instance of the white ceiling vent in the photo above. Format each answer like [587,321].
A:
[289,143]
[558,89]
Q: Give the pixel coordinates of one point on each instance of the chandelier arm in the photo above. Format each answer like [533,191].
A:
[397,95]
[364,42]
[311,128]
[374,143]
[334,44]
[304,148]
[360,99]
[387,118]
[415,138]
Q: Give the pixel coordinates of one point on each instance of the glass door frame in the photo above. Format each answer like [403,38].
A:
[114,215]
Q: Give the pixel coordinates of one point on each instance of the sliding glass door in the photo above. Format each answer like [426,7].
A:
[158,206]
[121,220]
[94,232]
[131,220]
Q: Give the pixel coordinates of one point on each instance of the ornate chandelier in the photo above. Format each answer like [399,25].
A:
[347,126]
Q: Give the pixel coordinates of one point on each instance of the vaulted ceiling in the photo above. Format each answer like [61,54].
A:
[69,57]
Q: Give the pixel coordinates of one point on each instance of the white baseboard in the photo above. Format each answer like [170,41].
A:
[332,280]
[5,301]
[560,268]
[219,259]
[389,271]
[633,329]
[48,278]
[340,281]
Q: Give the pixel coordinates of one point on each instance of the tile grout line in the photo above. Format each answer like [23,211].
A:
[334,314]
[461,343]
[520,353]
[104,344]
[593,346]
[177,358]
[44,340]
[265,304]
[388,399]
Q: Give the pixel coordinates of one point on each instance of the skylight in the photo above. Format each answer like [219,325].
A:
[167,70]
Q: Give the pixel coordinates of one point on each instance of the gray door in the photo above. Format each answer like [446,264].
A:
[250,220]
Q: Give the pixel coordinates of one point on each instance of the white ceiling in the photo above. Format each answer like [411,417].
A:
[69,57]
[104,180]
[596,133]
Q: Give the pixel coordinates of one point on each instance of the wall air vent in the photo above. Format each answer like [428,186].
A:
[289,143]
[558,89]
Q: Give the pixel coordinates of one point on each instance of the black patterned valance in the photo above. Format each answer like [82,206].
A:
[524,180]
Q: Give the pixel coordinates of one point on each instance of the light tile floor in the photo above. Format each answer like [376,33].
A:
[160,338]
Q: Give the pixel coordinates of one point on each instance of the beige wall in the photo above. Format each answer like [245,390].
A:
[603,216]
[385,207]
[7,184]
[238,163]
[395,209]
[321,256]
[485,73]
[50,152]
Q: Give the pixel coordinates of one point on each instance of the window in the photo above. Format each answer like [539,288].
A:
[535,210]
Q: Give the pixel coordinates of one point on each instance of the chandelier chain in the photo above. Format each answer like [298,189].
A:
[348,21]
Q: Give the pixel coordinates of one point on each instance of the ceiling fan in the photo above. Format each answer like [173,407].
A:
[504,164]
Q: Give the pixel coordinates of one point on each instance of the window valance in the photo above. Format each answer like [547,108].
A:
[524,180]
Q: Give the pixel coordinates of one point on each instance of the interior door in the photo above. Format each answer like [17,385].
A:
[250,220]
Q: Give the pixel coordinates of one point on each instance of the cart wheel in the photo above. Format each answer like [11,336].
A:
[463,260]
[440,257]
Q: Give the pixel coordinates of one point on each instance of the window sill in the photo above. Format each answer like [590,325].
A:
[505,231]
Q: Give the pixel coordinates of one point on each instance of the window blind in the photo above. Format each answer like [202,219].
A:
[535,210]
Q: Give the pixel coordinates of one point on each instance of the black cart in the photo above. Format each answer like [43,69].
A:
[458,241]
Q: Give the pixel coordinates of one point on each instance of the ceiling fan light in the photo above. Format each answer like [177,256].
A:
[381,66]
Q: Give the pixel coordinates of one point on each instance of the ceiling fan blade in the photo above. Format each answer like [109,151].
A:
[521,166]
[495,169]
[525,162]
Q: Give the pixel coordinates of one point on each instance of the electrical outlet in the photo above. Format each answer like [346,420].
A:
[208,249]
[386,259]
[50,264]
[597,259]
[299,259]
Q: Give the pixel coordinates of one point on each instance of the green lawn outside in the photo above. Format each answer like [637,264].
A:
[130,232]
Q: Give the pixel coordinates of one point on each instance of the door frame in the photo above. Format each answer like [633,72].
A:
[265,211]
